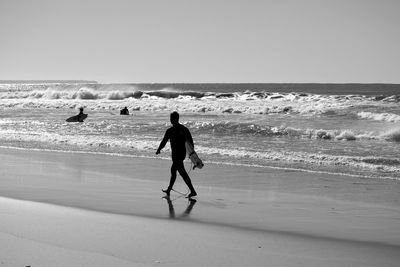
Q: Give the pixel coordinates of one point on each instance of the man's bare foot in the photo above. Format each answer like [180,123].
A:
[192,194]
[166,191]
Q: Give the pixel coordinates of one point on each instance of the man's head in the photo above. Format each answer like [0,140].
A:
[174,118]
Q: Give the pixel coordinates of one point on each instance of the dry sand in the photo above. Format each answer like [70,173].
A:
[76,209]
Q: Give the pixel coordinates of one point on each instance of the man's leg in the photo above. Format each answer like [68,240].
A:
[181,169]
[172,180]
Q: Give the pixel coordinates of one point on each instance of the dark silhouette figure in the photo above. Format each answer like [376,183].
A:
[81,115]
[124,111]
[78,118]
[172,210]
[177,136]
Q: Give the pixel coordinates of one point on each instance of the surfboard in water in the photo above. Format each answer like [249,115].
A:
[197,162]
[76,118]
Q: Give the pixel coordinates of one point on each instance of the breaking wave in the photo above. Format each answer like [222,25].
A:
[229,128]
[266,130]
[390,117]
[96,96]
[184,102]
[100,91]
[392,135]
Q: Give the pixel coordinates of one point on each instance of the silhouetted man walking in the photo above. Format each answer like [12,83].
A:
[177,136]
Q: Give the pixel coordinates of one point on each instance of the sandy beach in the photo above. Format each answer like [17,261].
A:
[78,209]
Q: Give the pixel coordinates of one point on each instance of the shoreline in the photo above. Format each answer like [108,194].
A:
[286,206]
[226,164]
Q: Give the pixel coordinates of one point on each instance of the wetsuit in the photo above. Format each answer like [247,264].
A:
[178,135]
[81,116]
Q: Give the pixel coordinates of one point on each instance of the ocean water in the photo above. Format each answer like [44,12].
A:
[350,129]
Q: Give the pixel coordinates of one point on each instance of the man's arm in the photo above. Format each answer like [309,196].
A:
[163,142]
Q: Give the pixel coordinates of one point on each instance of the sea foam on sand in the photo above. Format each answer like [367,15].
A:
[80,209]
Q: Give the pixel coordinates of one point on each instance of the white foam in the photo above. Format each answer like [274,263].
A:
[90,141]
[346,135]
[304,158]
[146,145]
[392,135]
[390,117]
[247,103]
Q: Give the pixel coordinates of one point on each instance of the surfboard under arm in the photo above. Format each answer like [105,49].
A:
[197,162]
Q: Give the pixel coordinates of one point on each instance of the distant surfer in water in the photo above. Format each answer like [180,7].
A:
[81,115]
[78,118]
[124,111]
[177,136]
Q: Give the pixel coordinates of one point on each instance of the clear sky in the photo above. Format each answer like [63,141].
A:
[201,40]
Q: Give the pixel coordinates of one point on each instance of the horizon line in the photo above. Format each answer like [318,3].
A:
[101,82]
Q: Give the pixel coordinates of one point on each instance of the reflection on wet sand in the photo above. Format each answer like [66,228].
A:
[171,209]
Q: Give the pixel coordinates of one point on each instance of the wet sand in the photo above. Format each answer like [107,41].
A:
[100,210]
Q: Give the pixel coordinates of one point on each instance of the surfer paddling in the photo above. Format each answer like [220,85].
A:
[177,136]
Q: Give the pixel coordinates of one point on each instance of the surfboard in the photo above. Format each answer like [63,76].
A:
[197,162]
[76,118]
